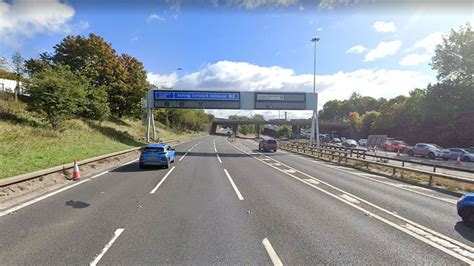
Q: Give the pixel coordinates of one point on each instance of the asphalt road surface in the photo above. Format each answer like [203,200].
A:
[224,202]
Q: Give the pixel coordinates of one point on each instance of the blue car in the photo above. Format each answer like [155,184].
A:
[465,207]
[158,154]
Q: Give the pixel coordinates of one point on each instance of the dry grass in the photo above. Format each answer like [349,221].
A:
[27,144]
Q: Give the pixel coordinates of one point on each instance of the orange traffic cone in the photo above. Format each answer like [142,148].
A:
[75,172]
[458,161]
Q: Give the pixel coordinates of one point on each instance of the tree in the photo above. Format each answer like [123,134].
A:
[33,66]
[454,58]
[123,77]
[126,98]
[3,63]
[96,105]
[354,119]
[368,121]
[283,131]
[18,70]
[58,94]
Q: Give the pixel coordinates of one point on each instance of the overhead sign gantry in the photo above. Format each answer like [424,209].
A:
[234,100]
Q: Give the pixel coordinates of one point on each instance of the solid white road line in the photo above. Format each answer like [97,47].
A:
[371,177]
[233,185]
[127,163]
[18,207]
[116,235]
[443,243]
[162,180]
[219,158]
[14,209]
[103,173]
[182,157]
[271,252]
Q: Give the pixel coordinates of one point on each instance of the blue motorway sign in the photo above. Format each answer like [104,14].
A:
[197,96]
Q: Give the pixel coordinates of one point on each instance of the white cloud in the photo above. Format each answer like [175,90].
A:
[426,47]
[382,26]
[134,39]
[330,4]
[252,4]
[242,76]
[415,59]
[162,80]
[153,17]
[383,49]
[429,42]
[319,29]
[356,49]
[25,18]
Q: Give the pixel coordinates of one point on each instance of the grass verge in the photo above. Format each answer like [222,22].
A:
[27,144]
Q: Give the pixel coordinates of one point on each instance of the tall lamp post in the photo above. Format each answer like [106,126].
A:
[314,120]
[177,82]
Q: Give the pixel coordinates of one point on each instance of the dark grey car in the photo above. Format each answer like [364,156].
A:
[268,145]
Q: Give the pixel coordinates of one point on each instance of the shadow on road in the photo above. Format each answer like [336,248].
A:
[77,204]
[464,231]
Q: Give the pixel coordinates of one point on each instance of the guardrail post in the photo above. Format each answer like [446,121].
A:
[430,183]
[350,155]
[394,171]
[434,168]
[403,163]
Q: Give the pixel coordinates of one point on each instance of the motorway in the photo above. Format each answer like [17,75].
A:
[224,202]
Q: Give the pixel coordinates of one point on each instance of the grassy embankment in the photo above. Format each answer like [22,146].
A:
[27,144]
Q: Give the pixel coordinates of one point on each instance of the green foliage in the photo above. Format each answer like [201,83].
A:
[442,113]
[454,58]
[18,69]
[57,94]
[96,105]
[368,121]
[283,131]
[184,119]
[122,77]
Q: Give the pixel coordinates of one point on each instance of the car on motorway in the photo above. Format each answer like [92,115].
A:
[156,154]
[362,142]
[350,143]
[336,141]
[268,145]
[470,150]
[465,208]
[455,153]
[395,145]
[432,151]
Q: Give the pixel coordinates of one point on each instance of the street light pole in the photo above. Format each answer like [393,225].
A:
[314,120]
[177,82]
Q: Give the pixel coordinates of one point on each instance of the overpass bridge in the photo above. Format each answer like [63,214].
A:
[342,128]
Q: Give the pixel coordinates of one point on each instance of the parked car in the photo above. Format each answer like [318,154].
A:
[395,145]
[268,145]
[455,153]
[157,154]
[431,151]
[350,143]
[465,207]
[363,142]
[336,141]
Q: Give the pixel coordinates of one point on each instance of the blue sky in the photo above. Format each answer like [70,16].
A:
[234,46]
